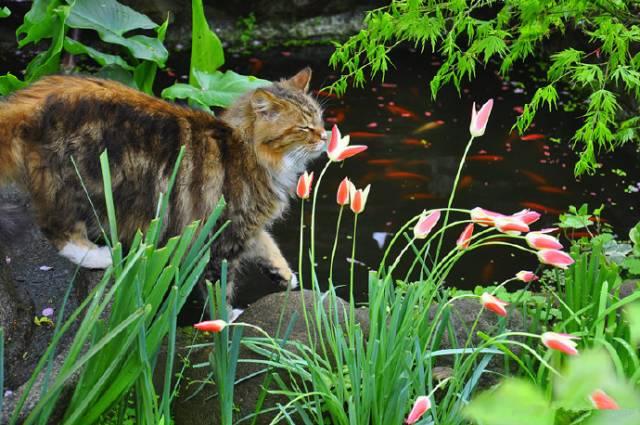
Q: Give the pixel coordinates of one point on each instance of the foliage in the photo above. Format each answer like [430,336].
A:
[116,353]
[601,64]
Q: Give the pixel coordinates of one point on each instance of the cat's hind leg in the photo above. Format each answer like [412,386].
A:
[80,250]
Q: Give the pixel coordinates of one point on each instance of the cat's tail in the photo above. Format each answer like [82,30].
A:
[12,222]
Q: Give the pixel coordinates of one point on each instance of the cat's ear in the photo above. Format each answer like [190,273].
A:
[265,104]
[301,80]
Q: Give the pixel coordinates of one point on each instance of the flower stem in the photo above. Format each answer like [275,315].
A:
[335,245]
[301,245]
[353,257]
[453,194]
[313,216]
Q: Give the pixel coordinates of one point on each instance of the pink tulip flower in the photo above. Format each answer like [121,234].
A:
[304,185]
[480,118]
[420,406]
[511,225]
[484,217]
[539,240]
[602,401]
[465,237]
[560,342]
[339,149]
[342,197]
[556,258]
[494,304]
[214,326]
[425,224]
[358,198]
[527,216]
[526,276]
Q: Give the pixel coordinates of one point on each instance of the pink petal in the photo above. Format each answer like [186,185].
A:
[426,224]
[465,237]
[335,138]
[350,151]
[602,401]
[554,257]
[421,405]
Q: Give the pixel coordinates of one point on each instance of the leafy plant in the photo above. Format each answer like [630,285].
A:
[601,63]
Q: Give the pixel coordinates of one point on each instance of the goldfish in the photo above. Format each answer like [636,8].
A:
[337,118]
[256,65]
[324,93]
[415,142]
[540,207]
[428,126]
[533,136]
[485,157]
[382,161]
[364,134]
[536,178]
[404,175]
[399,110]
[551,189]
[465,182]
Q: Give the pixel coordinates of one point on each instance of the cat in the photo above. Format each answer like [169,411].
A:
[251,154]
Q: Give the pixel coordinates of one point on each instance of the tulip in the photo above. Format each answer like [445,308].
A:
[602,401]
[465,237]
[527,216]
[420,406]
[511,225]
[339,149]
[342,197]
[304,185]
[556,258]
[526,276]
[479,118]
[539,240]
[560,342]
[425,224]
[484,217]
[358,198]
[214,326]
[494,304]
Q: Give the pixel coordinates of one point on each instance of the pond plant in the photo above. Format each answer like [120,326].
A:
[575,362]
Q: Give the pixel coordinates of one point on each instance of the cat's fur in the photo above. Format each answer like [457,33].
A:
[251,154]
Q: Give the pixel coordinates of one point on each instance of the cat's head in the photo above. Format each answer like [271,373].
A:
[283,121]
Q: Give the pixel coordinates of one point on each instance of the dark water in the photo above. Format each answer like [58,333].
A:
[410,171]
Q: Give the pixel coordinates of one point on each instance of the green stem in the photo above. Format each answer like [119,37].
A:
[453,194]
[301,246]
[353,258]
[313,215]
[335,245]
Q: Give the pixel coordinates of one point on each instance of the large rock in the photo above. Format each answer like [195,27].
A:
[201,408]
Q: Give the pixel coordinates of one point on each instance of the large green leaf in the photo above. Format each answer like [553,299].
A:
[77,48]
[38,23]
[4,12]
[217,89]
[513,402]
[112,21]
[10,83]
[48,62]
[206,49]
[117,73]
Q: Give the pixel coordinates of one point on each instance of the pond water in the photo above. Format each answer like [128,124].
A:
[415,145]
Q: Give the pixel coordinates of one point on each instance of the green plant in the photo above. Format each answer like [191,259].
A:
[115,353]
[601,63]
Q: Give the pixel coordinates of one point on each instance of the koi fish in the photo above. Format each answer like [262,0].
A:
[428,126]
[410,141]
[404,175]
[389,85]
[324,93]
[536,178]
[364,135]
[581,234]
[415,162]
[552,189]
[337,118]
[399,110]
[533,136]
[465,182]
[487,271]
[488,158]
[540,207]
[382,161]
[256,65]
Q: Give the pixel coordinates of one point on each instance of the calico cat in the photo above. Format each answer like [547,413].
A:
[251,155]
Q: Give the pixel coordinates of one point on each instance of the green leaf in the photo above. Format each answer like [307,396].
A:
[4,12]
[515,401]
[634,236]
[39,22]
[10,83]
[77,48]
[112,21]
[632,313]
[632,265]
[206,49]
[117,73]
[217,89]
[48,62]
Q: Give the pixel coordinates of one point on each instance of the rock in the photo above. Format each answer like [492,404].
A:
[265,313]
[628,287]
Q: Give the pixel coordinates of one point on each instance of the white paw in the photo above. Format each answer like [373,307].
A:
[234,314]
[293,283]
[91,258]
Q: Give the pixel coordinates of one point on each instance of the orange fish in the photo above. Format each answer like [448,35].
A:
[415,142]
[465,182]
[256,65]
[533,136]
[324,93]
[581,234]
[487,272]
[404,175]
[540,207]
[484,157]
[536,178]
[428,126]
[420,196]
[399,110]
[382,161]
[552,189]
[364,135]
[337,118]
[415,162]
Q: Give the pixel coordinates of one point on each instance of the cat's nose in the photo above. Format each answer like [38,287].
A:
[324,136]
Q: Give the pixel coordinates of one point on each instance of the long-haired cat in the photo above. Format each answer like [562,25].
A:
[251,154]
